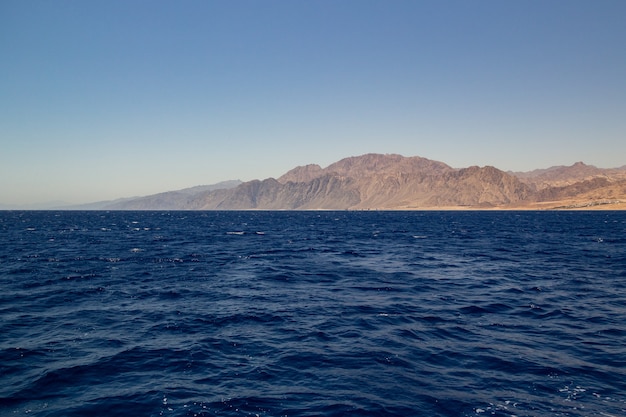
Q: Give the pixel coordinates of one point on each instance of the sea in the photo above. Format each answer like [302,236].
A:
[312,313]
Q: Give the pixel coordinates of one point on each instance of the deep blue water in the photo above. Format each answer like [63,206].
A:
[313,313]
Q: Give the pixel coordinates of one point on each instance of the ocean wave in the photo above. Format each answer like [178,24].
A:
[393,314]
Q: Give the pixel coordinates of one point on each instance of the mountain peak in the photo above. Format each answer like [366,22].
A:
[395,182]
[302,174]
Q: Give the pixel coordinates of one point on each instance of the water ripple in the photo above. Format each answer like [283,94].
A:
[313,313]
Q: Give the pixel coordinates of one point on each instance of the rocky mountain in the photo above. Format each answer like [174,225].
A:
[395,182]
[366,166]
[577,186]
[330,192]
[560,176]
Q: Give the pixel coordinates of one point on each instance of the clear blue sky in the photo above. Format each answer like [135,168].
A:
[104,99]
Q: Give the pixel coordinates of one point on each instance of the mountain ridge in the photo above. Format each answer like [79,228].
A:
[168,200]
[395,182]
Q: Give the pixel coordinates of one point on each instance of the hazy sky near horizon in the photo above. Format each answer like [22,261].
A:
[107,99]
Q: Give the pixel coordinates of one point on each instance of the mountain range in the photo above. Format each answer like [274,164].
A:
[395,182]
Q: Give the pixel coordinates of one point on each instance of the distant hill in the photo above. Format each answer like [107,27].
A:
[577,186]
[395,182]
[170,200]
[560,176]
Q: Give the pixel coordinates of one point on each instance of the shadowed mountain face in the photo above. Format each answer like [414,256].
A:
[395,182]
[329,192]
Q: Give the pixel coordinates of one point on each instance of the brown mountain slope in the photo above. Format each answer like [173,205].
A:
[593,193]
[394,182]
[389,164]
[374,181]
[469,187]
[329,192]
[365,166]
[560,176]
[302,174]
